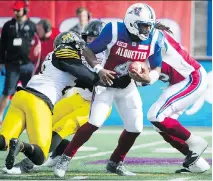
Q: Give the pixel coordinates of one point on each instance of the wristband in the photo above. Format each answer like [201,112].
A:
[97,68]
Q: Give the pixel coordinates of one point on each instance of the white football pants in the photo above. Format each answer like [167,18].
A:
[127,102]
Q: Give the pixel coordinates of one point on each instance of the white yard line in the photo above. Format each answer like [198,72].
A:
[180,179]
[109,152]
[78,178]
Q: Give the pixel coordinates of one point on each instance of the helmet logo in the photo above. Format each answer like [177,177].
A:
[136,11]
[67,38]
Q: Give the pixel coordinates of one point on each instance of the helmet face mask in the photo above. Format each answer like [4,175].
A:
[143,28]
[139,20]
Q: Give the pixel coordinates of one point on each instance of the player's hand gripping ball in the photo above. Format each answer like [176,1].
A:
[139,67]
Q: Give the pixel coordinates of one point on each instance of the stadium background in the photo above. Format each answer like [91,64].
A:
[190,21]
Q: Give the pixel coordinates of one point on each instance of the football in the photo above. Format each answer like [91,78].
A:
[138,66]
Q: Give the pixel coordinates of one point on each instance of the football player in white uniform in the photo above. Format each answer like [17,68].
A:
[187,81]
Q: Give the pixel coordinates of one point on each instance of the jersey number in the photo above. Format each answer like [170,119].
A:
[122,69]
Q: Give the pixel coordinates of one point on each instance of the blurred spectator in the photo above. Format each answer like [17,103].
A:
[16,38]
[84,17]
[46,34]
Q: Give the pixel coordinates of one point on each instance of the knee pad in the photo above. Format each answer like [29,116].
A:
[37,157]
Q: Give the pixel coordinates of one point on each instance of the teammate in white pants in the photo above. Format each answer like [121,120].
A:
[187,81]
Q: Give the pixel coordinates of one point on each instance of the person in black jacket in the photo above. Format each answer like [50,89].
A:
[15,44]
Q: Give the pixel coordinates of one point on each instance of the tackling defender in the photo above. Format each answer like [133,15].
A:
[31,107]
[69,113]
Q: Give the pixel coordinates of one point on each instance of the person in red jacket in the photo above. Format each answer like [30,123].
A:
[46,34]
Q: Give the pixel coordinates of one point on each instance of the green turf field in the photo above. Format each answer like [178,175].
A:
[151,158]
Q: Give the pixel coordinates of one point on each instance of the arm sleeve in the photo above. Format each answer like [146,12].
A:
[155,60]
[80,71]
[3,44]
[101,42]
[83,85]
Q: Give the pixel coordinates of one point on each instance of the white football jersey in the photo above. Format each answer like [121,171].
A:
[51,81]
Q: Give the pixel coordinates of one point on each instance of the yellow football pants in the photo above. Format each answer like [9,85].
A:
[28,111]
[70,114]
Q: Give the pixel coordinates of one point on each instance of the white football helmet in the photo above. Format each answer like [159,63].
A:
[137,14]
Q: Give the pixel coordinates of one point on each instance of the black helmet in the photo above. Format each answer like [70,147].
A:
[69,38]
[93,28]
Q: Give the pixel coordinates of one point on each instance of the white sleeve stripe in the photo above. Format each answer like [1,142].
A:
[154,40]
[114,35]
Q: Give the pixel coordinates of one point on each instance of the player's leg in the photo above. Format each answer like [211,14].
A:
[39,129]
[177,98]
[100,106]
[175,142]
[198,167]
[63,108]
[14,122]
[62,128]
[129,106]
[64,143]
[68,125]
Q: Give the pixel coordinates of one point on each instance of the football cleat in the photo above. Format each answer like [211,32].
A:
[118,168]
[13,171]
[62,166]
[200,166]
[196,150]
[51,161]
[25,166]
[14,148]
